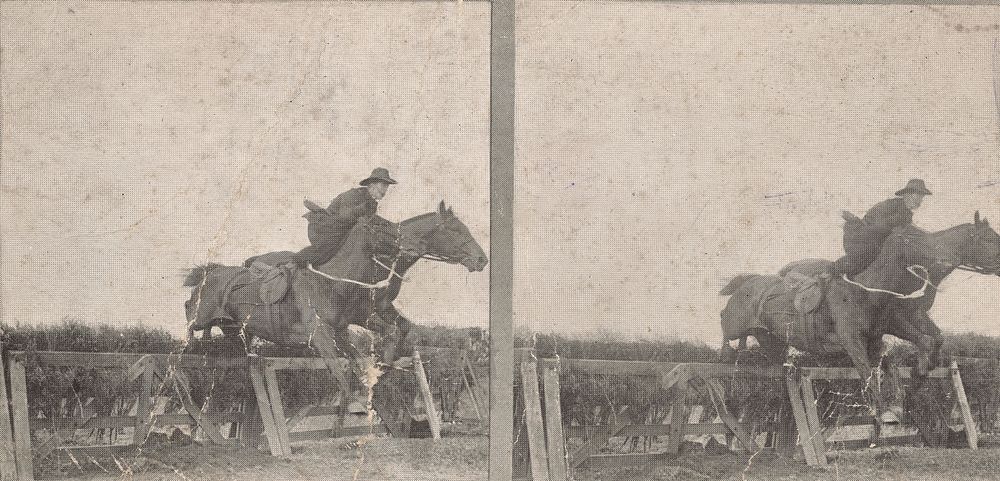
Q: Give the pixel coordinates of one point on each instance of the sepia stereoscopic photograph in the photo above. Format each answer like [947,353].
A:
[244,240]
[548,240]
[756,241]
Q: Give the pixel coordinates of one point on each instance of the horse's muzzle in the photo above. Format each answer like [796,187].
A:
[475,263]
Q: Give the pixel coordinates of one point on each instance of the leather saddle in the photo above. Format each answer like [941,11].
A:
[808,291]
[273,281]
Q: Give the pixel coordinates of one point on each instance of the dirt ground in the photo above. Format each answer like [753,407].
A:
[890,463]
[457,456]
[462,456]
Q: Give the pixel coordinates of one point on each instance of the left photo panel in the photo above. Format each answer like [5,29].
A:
[244,240]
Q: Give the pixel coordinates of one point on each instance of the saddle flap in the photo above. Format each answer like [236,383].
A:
[273,282]
[808,297]
[808,291]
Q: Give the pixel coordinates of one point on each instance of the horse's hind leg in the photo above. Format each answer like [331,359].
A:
[774,349]
[727,354]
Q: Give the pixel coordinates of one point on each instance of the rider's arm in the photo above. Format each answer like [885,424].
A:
[353,204]
[888,215]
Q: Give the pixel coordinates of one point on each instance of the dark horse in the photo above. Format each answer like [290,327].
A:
[891,296]
[358,286]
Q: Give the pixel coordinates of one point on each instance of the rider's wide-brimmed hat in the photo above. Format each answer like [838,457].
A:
[379,175]
[914,185]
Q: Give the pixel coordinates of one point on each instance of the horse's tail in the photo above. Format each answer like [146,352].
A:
[735,284]
[197,274]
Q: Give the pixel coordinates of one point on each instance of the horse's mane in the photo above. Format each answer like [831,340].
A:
[913,240]
[909,230]
[418,218]
[379,228]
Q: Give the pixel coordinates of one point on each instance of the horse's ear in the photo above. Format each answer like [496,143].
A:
[977,218]
[450,212]
[442,211]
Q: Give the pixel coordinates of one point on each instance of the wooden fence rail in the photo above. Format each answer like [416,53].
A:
[262,417]
[797,422]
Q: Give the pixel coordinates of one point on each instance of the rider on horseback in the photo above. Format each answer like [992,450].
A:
[863,238]
[328,228]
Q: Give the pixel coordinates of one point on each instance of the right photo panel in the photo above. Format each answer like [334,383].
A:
[751,241]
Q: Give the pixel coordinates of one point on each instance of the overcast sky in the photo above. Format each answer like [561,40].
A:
[141,138]
[664,148]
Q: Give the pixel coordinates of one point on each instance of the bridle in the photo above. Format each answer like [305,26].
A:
[438,257]
[988,270]
[398,241]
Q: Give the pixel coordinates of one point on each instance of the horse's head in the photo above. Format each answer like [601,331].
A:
[444,237]
[982,253]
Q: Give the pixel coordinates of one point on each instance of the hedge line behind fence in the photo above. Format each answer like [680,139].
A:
[60,391]
[589,399]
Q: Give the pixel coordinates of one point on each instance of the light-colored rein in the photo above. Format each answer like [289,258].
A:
[378,285]
[913,295]
[392,269]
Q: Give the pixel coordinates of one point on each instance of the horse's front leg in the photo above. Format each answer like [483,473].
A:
[906,325]
[923,322]
[321,314]
[324,341]
[852,323]
[398,327]
[857,348]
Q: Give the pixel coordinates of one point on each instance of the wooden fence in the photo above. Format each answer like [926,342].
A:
[263,414]
[549,456]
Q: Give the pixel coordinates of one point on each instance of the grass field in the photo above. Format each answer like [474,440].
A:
[457,456]
[903,464]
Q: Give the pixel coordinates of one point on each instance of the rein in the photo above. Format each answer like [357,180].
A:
[392,269]
[976,269]
[378,285]
[913,295]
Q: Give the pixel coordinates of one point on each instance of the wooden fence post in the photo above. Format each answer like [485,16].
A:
[812,417]
[678,414]
[533,418]
[963,404]
[801,422]
[22,434]
[264,405]
[143,409]
[277,408]
[8,462]
[468,385]
[425,390]
[558,469]
[475,381]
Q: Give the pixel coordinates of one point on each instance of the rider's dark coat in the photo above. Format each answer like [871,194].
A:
[329,228]
[863,238]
